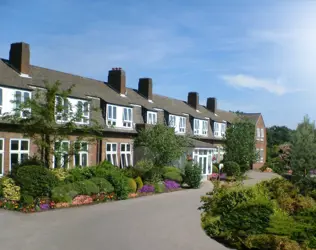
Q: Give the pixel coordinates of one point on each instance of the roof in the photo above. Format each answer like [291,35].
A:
[227,115]
[252,116]
[200,144]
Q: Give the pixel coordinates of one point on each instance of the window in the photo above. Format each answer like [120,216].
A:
[196,126]
[19,151]
[111,115]
[204,127]
[81,154]
[19,98]
[151,118]
[63,108]
[126,155]
[127,117]
[83,112]
[0,101]
[111,153]
[223,129]
[172,121]
[182,125]
[261,155]
[262,134]
[216,129]
[258,134]
[61,154]
[1,156]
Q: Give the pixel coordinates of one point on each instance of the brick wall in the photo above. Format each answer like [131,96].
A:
[261,144]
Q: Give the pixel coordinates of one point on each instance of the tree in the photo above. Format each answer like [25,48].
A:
[277,135]
[36,119]
[240,143]
[161,144]
[303,153]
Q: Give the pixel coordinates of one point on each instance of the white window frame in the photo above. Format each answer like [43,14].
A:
[258,134]
[23,92]
[151,117]
[223,129]
[1,99]
[61,114]
[81,153]
[217,129]
[127,121]
[196,125]
[63,153]
[2,155]
[262,134]
[19,151]
[124,153]
[111,121]
[172,121]
[111,152]
[261,156]
[204,127]
[85,116]
[182,124]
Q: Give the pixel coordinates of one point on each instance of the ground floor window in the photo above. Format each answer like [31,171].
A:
[126,155]
[61,154]
[1,156]
[260,154]
[81,154]
[204,158]
[111,153]
[19,151]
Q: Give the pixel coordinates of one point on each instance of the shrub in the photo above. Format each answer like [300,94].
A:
[36,181]
[153,175]
[60,173]
[9,190]
[278,188]
[174,176]
[27,199]
[142,167]
[31,161]
[192,175]
[65,193]
[172,169]
[231,168]
[272,242]
[87,187]
[130,172]
[215,169]
[104,185]
[159,187]
[147,189]
[171,185]
[79,174]
[139,183]
[120,184]
[132,185]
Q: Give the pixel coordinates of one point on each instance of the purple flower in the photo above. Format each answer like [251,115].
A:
[44,206]
[147,189]
[171,185]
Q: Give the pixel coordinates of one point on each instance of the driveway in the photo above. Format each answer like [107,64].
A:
[166,221]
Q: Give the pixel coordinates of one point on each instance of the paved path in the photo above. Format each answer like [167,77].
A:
[161,222]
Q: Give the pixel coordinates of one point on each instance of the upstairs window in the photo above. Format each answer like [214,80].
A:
[258,134]
[223,129]
[82,112]
[151,118]
[62,109]
[81,154]
[262,134]
[127,117]
[172,121]
[196,126]
[216,129]
[182,125]
[204,127]
[19,98]
[111,115]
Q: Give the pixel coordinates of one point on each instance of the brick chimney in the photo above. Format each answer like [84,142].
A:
[19,57]
[145,88]
[193,100]
[117,80]
[211,104]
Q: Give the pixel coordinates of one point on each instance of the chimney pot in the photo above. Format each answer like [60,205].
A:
[193,100]
[211,104]
[145,88]
[19,57]
[117,80]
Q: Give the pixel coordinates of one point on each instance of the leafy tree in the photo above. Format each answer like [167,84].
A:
[161,144]
[277,135]
[303,153]
[36,119]
[240,143]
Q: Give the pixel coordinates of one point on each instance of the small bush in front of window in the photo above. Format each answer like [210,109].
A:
[104,185]
[132,185]
[174,176]
[231,168]
[192,175]
[139,183]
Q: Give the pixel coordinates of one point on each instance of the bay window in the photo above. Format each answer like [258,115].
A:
[21,97]
[127,117]
[204,127]
[182,125]
[63,108]
[111,115]
[151,117]
[82,112]
[196,127]
[200,127]
[126,155]
[172,121]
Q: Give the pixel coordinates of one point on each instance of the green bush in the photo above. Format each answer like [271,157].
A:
[132,185]
[159,187]
[31,161]
[87,187]
[60,173]
[65,193]
[231,168]
[272,242]
[215,169]
[36,181]
[153,175]
[80,174]
[172,169]
[139,183]
[130,172]
[120,184]
[142,167]
[27,199]
[192,175]
[174,176]
[279,188]
[10,191]
[104,185]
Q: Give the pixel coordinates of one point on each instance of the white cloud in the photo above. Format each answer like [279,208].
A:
[250,82]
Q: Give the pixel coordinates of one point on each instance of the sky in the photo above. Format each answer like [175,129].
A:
[253,56]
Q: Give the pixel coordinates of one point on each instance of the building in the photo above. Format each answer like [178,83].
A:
[122,112]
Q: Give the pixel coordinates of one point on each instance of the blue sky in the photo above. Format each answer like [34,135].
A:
[254,56]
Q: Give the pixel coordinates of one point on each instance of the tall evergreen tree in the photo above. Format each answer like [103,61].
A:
[303,153]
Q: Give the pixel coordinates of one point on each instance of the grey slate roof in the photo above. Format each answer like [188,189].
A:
[252,116]
[200,144]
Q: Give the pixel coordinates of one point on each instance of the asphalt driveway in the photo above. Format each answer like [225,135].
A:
[166,221]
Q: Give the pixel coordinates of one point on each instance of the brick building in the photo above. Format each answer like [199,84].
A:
[122,111]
